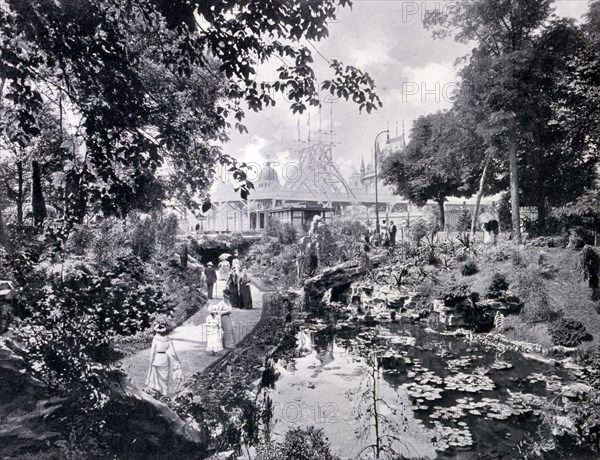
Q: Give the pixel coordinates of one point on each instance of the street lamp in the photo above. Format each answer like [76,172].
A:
[376,193]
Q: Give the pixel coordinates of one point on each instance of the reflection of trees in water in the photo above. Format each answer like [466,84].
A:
[382,422]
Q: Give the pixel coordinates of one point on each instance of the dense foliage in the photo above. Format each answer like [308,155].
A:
[299,444]
[144,92]
[525,90]
[437,163]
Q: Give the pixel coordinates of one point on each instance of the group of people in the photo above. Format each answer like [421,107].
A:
[387,234]
[236,279]
[165,373]
[219,328]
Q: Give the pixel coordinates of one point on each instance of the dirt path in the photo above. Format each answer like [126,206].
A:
[188,343]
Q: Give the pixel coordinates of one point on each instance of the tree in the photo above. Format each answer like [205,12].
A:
[503,31]
[576,107]
[435,164]
[151,85]
[586,207]
[38,203]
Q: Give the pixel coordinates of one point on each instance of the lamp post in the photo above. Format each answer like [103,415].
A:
[376,192]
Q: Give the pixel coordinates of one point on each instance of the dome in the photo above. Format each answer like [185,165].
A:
[267,179]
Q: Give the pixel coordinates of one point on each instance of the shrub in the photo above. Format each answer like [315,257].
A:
[469,268]
[498,253]
[464,221]
[531,289]
[504,214]
[299,444]
[418,229]
[110,243]
[289,234]
[71,322]
[517,258]
[80,239]
[498,286]
[143,238]
[589,267]
[461,257]
[166,232]
[569,332]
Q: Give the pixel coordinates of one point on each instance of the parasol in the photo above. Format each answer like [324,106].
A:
[486,217]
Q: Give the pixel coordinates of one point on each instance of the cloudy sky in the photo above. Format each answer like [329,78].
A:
[414,74]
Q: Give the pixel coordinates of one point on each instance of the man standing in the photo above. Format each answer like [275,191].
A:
[211,279]
[392,231]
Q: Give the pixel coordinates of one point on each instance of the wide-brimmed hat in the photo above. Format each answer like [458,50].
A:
[226,293]
[213,309]
[160,328]
[209,264]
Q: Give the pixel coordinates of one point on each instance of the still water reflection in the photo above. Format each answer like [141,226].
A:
[400,391]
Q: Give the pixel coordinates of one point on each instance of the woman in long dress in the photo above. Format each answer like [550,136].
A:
[224,308]
[233,288]
[224,270]
[165,374]
[245,292]
[214,332]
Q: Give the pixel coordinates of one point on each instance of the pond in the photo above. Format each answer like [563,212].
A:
[408,392]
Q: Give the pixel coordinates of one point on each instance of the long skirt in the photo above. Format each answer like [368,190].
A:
[214,338]
[246,296]
[165,374]
[223,273]
[234,295]
[228,334]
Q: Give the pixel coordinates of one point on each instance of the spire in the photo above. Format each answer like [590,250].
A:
[362,166]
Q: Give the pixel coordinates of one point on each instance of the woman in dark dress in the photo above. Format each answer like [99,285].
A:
[233,288]
[245,293]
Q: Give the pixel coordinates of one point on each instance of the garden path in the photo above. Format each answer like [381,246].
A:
[188,340]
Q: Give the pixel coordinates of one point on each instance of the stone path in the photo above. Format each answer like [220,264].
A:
[189,343]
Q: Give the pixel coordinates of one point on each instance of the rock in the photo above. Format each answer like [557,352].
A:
[136,423]
[337,278]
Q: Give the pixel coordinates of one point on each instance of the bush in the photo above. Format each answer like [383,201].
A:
[299,444]
[418,229]
[531,289]
[143,238]
[166,232]
[464,221]
[469,268]
[504,213]
[589,267]
[71,322]
[498,286]
[498,253]
[569,332]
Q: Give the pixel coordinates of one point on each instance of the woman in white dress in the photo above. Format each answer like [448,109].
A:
[214,332]
[165,374]
[224,269]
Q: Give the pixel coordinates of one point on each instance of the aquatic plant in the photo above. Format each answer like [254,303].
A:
[471,383]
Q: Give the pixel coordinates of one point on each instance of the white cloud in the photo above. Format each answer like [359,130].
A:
[371,56]
[425,89]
